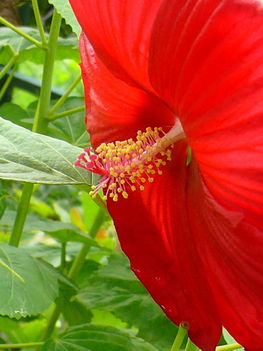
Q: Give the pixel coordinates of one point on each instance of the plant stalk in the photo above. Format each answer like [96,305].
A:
[180,336]
[21,215]
[20,32]
[40,124]
[20,346]
[7,82]
[80,259]
[39,22]
[66,113]
[64,97]
[8,66]
[41,121]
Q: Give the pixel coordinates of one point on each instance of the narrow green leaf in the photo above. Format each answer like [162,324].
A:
[88,337]
[34,158]
[20,297]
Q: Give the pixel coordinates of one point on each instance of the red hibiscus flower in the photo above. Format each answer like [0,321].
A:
[189,209]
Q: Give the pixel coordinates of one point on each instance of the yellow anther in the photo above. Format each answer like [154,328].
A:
[133,188]
[125,195]
[112,186]
[113,173]
[150,180]
[132,179]
[115,197]
[141,187]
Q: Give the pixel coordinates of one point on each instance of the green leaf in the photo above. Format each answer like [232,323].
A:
[75,312]
[88,337]
[16,114]
[20,297]
[65,10]
[70,128]
[11,43]
[35,158]
[114,288]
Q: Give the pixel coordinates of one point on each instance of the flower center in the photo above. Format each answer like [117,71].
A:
[129,164]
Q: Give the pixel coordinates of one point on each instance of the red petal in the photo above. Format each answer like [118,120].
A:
[120,33]
[211,73]
[115,109]
[201,262]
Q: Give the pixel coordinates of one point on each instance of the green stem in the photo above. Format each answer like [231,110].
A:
[64,97]
[21,215]
[39,22]
[20,346]
[191,346]
[63,257]
[7,82]
[51,323]
[228,347]
[181,334]
[40,124]
[8,66]
[80,259]
[66,113]
[97,199]
[41,121]
[20,32]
